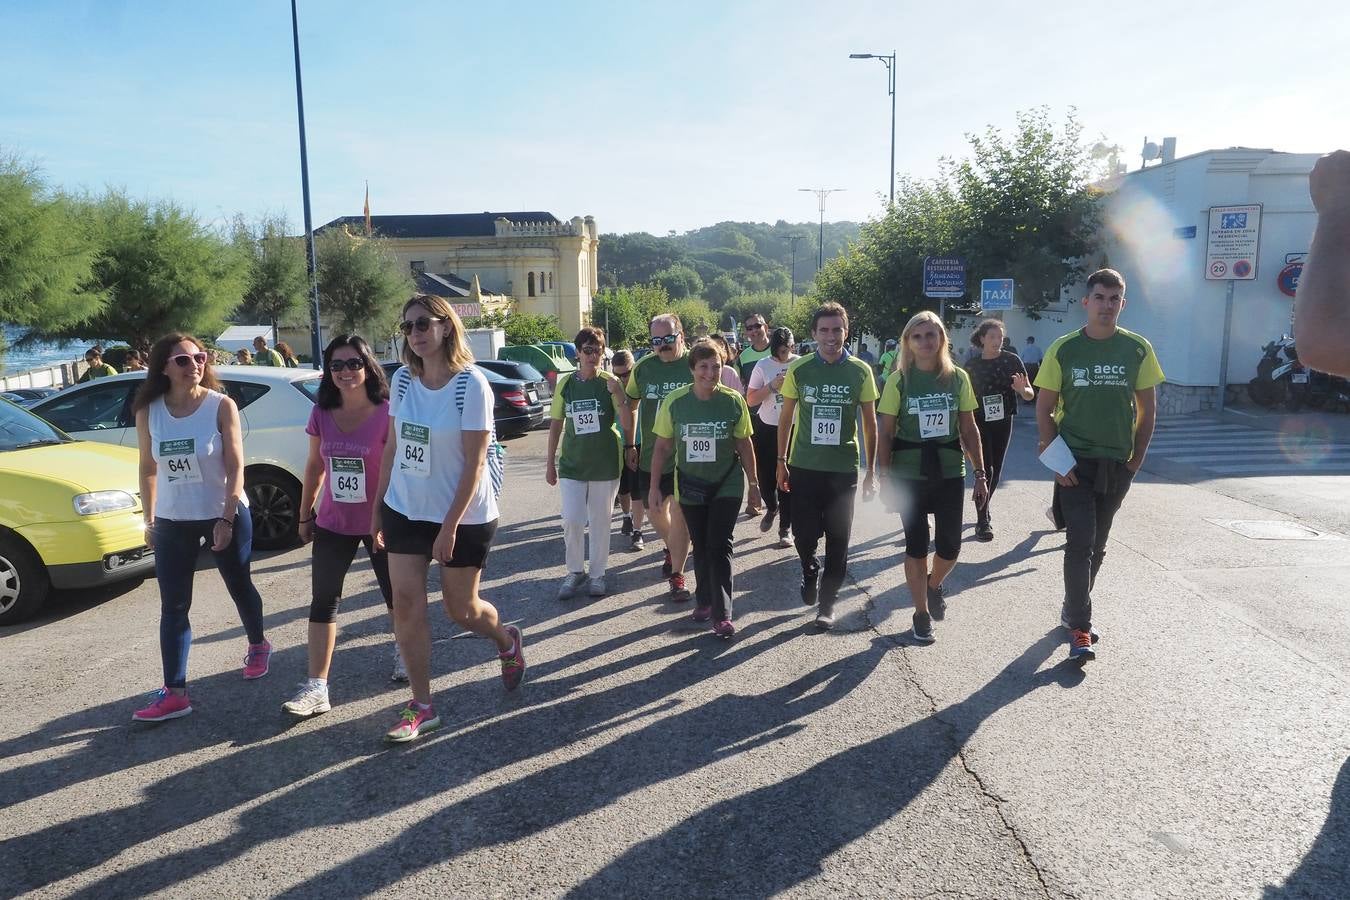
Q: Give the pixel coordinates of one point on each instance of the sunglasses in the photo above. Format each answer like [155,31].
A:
[621,374]
[351,365]
[183,360]
[756,326]
[421,324]
[589,349]
[667,341]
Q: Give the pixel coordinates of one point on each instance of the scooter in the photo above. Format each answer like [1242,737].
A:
[1273,375]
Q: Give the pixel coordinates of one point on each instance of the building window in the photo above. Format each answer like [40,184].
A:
[529,285]
[541,281]
[418,266]
[550,281]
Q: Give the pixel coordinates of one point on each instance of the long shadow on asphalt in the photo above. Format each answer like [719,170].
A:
[1325,871]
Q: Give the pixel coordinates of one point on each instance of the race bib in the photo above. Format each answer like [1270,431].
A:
[347,479]
[827,424]
[700,444]
[934,418]
[585,416]
[414,449]
[179,458]
[993,408]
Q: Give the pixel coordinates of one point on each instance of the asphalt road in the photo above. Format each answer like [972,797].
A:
[1203,754]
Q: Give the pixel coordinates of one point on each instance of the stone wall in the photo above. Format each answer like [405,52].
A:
[1186,399]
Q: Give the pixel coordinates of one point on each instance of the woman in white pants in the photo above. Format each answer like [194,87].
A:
[589,409]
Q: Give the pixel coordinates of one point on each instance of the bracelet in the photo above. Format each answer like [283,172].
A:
[630,446]
[307,521]
[979,473]
[782,459]
[228,522]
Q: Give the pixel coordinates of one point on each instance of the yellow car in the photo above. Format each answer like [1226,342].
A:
[70,513]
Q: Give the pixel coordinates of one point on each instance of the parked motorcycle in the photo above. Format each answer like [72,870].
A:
[1309,387]
[1273,374]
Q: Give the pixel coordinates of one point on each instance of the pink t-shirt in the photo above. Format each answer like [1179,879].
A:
[351,461]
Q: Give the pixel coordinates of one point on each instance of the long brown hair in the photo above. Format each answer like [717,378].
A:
[455,347]
[156,383]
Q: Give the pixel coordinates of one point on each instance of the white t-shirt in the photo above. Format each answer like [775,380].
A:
[762,375]
[429,448]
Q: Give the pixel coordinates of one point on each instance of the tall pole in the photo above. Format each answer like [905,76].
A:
[888,60]
[821,194]
[316,353]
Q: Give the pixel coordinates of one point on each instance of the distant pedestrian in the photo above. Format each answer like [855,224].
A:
[192,491]
[1031,358]
[436,502]
[886,364]
[264,356]
[999,380]
[1098,393]
[866,355]
[347,429]
[620,365]
[134,362]
[287,355]
[766,399]
[705,427]
[93,357]
[589,417]
[242,357]
[729,375]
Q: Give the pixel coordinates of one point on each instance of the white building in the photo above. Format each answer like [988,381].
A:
[1157,220]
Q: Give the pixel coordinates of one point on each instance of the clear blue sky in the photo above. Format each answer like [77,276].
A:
[648,116]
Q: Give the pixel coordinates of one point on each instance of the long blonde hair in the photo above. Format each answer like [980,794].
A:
[904,361]
[455,347]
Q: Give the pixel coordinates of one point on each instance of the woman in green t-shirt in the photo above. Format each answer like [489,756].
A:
[707,426]
[927,409]
[588,410]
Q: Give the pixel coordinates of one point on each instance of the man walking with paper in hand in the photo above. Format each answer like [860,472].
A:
[1098,403]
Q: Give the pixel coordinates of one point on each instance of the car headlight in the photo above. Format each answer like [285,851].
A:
[103,501]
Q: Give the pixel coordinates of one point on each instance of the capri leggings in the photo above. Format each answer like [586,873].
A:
[944,500]
[333,555]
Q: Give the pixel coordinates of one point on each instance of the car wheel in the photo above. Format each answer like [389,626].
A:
[273,502]
[23,581]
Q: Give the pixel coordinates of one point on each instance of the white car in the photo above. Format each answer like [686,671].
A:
[274,406]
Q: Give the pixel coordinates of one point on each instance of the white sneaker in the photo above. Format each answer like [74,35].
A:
[597,587]
[570,584]
[310,699]
[400,672]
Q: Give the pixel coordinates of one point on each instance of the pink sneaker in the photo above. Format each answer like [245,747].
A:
[724,629]
[702,613]
[414,720]
[257,658]
[513,660]
[164,705]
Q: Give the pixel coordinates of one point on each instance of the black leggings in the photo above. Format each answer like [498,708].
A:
[823,505]
[765,439]
[333,555]
[994,437]
[944,500]
[711,527]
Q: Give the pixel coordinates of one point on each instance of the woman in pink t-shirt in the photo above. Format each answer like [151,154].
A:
[347,433]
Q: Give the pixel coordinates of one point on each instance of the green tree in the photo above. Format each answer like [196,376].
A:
[47,253]
[361,283]
[278,279]
[162,270]
[619,312]
[680,281]
[693,313]
[635,258]
[722,289]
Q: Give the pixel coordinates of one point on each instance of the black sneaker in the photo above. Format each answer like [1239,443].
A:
[766,523]
[825,613]
[636,543]
[984,532]
[809,588]
[667,567]
[627,525]
[937,603]
[923,628]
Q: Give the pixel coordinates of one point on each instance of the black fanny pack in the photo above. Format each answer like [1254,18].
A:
[698,491]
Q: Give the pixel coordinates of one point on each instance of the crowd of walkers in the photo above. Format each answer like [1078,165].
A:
[685,437]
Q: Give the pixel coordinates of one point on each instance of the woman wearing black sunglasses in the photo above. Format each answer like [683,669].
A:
[347,431]
[192,488]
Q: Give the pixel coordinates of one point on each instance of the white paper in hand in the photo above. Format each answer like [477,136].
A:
[1057,457]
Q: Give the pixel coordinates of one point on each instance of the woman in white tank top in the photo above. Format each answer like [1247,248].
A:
[192,490]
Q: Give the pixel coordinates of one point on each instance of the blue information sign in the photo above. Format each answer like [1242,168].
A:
[944,277]
[996,293]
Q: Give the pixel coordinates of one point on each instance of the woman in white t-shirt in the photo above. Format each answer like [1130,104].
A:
[435,501]
[766,380]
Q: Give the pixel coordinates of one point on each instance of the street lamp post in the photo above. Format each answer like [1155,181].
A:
[316,354]
[793,287]
[821,194]
[889,62]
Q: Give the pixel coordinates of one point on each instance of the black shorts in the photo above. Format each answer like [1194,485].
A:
[627,480]
[644,485]
[416,538]
[945,501]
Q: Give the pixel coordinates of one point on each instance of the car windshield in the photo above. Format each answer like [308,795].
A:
[19,428]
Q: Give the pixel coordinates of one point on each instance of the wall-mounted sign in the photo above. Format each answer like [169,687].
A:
[1186,232]
[1234,237]
[996,293]
[944,277]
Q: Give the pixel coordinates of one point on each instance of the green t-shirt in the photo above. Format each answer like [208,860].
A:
[705,434]
[828,396]
[592,446]
[268,357]
[1096,381]
[102,370]
[748,359]
[886,362]
[650,381]
[925,410]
